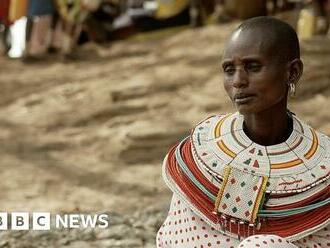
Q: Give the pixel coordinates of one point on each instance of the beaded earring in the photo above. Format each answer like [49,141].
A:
[292,89]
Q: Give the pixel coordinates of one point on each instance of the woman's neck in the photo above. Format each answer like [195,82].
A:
[268,128]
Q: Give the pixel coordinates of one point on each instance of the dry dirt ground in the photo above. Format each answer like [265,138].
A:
[89,136]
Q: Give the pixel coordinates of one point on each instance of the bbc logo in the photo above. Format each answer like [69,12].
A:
[42,221]
[21,221]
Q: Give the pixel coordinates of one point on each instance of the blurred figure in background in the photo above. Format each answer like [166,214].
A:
[322,11]
[197,13]
[73,13]
[313,19]
[219,12]
[4,25]
[17,9]
[277,6]
[39,34]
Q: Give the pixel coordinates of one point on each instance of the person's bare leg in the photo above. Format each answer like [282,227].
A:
[66,38]
[40,36]
[70,40]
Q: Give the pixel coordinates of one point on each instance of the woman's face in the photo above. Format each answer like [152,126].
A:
[254,80]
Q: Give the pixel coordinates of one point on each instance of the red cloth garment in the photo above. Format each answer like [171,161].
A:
[4,12]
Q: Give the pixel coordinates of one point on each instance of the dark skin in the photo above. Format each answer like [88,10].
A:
[257,82]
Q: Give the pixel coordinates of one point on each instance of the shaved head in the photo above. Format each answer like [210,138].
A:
[278,38]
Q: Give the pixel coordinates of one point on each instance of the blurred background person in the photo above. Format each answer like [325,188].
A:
[4,25]
[322,11]
[40,16]
[73,13]
[313,18]
[17,9]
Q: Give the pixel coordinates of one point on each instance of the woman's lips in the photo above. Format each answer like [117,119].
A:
[243,98]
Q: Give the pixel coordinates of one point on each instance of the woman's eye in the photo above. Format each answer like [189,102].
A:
[230,70]
[253,67]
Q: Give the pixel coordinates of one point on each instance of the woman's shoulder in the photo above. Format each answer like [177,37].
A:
[317,138]
[214,121]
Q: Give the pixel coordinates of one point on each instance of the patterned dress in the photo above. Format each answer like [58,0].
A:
[232,192]
[183,228]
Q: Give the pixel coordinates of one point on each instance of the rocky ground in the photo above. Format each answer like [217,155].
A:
[89,136]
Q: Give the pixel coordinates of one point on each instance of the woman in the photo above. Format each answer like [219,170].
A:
[260,171]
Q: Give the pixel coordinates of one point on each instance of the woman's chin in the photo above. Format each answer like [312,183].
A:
[245,109]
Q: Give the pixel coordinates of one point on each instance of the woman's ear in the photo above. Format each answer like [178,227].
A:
[296,68]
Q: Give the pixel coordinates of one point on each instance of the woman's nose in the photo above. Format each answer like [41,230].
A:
[240,78]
